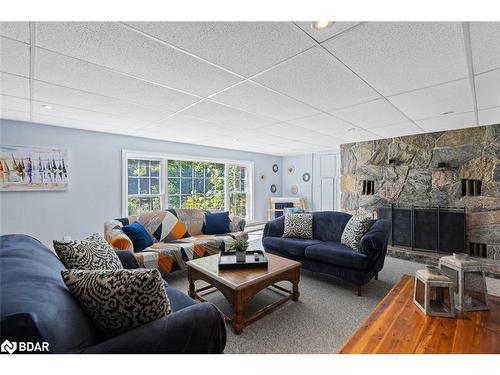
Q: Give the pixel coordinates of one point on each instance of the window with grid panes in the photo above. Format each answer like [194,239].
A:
[144,191]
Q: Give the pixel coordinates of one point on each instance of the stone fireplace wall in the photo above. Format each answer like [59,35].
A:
[407,171]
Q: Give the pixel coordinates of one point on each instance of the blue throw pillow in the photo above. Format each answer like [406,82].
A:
[138,235]
[217,223]
[292,210]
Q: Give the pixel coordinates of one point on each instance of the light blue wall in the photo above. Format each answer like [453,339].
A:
[301,164]
[94,192]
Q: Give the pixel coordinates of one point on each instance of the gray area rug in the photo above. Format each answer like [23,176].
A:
[327,314]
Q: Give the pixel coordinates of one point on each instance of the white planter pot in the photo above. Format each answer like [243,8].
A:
[241,256]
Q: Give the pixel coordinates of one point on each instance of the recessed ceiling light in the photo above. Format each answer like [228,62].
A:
[321,25]
[448,113]
[46,106]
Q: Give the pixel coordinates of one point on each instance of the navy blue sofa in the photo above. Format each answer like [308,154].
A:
[36,306]
[325,254]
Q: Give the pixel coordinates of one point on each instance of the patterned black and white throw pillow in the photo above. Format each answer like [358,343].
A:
[354,230]
[91,253]
[298,226]
[117,301]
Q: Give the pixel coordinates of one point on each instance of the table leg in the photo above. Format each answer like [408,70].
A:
[191,284]
[295,294]
[295,290]
[238,307]
[238,321]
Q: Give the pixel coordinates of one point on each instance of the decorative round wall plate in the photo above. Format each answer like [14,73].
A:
[275,168]
[273,188]
[294,189]
[291,169]
[306,177]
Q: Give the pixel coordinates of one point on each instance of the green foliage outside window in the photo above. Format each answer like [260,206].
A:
[191,184]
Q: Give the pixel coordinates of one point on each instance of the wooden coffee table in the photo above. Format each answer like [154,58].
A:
[397,326]
[239,286]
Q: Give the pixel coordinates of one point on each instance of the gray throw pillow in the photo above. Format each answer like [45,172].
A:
[354,230]
[117,301]
[91,253]
[298,226]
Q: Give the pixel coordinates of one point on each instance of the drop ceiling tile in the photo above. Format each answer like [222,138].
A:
[173,132]
[316,78]
[321,35]
[488,89]
[400,56]
[58,95]
[218,113]
[489,116]
[256,99]
[9,114]
[448,122]
[16,30]
[81,115]
[66,71]
[114,46]
[14,104]
[79,124]
[14,85]
[360,135]
[187,121]
[398,130]
[485,44]
[326,124]
[193,127]
[291,132]
[219,141]
[433,101]
[14,57]
[243,47]
[372,114]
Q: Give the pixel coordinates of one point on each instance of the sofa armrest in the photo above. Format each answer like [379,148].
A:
[374,242]
[196,329]
[274,228]
[20,327]
[115,236]
[237,224]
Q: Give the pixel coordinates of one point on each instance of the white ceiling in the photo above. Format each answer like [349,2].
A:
[271,87]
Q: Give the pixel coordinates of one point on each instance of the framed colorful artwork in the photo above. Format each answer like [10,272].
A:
[27,168]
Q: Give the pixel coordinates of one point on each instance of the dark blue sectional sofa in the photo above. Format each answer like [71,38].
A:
[36,306]
[325,254]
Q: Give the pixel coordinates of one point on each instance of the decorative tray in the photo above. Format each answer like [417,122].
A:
[227,260]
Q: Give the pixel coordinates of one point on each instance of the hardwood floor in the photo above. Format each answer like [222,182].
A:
[397,326]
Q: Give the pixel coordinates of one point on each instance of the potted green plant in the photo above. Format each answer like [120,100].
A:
[240,246]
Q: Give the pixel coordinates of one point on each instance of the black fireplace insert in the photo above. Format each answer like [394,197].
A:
[437,229]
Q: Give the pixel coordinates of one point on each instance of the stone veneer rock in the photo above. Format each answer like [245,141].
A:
[414,177]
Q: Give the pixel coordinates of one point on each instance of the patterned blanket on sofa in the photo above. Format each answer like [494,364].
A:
[177,237]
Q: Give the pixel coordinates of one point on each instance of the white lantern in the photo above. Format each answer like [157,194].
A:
[433,293]
[469,283]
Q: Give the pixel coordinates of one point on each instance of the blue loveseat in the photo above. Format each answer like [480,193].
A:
[36,306]
[325,254]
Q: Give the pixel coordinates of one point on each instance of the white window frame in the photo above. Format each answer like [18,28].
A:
[163,157]
[228,192]
[125,195]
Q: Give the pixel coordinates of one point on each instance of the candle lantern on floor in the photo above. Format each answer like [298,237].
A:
[433,293]
[469,283]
